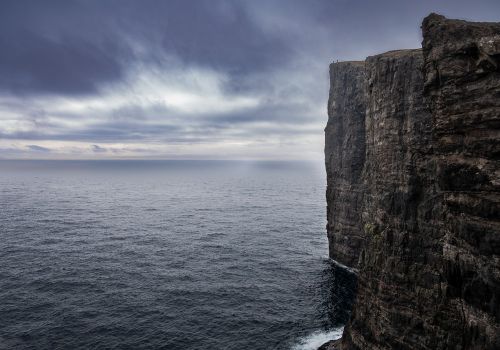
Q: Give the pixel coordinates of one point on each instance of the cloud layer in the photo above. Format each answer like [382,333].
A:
[187,79]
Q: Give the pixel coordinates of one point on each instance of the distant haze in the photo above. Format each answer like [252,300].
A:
[188,79]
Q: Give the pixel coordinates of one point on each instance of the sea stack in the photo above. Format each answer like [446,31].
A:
[412,154]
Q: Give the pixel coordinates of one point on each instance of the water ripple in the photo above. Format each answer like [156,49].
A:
[170,256]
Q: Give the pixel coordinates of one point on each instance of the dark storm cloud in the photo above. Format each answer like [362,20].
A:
[32,63]
[52,47]
[222,36]
[72,47]
[178,71]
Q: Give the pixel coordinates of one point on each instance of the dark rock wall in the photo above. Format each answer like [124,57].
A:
[462,83]
[344,159]
[429,261]
[394,263]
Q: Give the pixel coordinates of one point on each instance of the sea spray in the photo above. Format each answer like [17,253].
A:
[314,340]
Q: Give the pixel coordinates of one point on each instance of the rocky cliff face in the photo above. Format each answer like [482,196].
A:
[425,211]
[345,156]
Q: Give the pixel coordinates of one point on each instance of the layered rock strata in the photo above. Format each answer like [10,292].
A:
[424,212]
[344,159]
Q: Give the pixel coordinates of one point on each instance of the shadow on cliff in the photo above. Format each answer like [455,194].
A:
[336,300]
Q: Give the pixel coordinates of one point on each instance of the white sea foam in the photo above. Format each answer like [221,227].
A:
[315,340]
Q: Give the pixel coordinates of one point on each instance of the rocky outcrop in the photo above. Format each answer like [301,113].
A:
[426,208]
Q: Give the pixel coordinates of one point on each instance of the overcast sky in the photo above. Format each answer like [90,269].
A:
[185,78]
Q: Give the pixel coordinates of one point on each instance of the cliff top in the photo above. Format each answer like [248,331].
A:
[397,53]
[388,54]
[437,18]
[348,63]
[452,33]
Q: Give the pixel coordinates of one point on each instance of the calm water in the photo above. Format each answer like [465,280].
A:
[166,255]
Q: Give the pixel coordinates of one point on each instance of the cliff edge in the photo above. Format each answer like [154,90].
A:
[412,154]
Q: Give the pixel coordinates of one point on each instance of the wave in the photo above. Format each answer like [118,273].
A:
[314,340]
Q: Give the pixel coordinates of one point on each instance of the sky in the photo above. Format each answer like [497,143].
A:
[188,79]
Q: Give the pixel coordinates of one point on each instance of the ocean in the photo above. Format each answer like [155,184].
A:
[167,255]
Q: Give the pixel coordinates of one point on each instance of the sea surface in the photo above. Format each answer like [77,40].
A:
[167,255]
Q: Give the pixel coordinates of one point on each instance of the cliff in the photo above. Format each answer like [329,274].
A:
[345,156]
[419,131]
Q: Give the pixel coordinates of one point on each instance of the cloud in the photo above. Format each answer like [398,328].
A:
[46,51]
[74,48]
[200,78]
[98,149]
[38,148]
